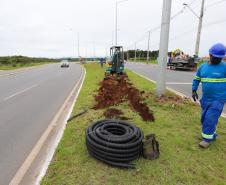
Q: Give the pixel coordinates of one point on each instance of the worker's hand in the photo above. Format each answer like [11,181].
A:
[195,95]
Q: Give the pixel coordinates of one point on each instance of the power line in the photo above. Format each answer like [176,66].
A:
[192,30]
[216,3]
[178,14]
[214,23]
[158,27]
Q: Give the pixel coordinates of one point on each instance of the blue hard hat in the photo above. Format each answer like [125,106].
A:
[218,50]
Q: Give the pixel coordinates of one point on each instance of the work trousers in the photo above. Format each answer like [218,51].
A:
[211,111]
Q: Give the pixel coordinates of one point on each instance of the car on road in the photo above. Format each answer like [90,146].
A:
[64,63]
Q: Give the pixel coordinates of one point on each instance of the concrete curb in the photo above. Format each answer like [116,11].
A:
[171,90]
[65,109]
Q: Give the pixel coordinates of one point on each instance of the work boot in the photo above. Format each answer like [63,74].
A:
[204,144]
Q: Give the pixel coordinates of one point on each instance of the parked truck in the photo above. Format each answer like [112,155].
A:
[178,60]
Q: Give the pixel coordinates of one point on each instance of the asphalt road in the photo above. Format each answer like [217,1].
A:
[28,102]
[180,81]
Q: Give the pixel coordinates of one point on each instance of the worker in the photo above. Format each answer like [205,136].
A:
[212,75]
[101,62]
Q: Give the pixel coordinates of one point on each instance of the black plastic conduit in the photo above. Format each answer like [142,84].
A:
[114,142]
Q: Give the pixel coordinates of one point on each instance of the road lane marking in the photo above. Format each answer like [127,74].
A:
[178,83]
[172,90]
[20,92]
[40,143]
[7,74]
[16,71]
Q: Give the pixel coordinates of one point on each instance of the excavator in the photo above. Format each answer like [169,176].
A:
[116,64]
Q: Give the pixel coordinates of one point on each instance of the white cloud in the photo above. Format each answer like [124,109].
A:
[42,27]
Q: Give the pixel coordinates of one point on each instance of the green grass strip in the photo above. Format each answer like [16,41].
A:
[177,128]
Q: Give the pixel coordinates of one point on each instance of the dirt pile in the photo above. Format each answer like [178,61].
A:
[173,99]
[113,92]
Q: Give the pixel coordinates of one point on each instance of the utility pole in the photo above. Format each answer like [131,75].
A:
[135,58]
[199,29]
[78,46]
[163,47]
[86,55]
[106,49]
[94,52]
[127,54]
[149,34]
[112,39]
[140,51]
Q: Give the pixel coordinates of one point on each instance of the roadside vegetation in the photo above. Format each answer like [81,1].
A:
[143,60]
[15,62]
[176,126]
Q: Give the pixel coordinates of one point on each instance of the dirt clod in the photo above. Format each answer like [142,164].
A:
[113,92]
[112,113]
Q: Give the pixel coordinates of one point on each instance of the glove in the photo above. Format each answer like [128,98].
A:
[195,95]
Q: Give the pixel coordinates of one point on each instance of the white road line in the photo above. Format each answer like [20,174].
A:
[7,74]
[15,71]
[172,90]
[178,83]
[20,92]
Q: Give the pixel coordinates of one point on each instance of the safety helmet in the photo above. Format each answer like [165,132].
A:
[218,50]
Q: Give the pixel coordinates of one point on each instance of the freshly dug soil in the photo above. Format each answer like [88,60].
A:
[114,114]
[113,92]
[165,98]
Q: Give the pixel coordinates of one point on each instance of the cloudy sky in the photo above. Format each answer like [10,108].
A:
[49,28]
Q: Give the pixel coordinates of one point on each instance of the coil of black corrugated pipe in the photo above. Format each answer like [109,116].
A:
[114,142]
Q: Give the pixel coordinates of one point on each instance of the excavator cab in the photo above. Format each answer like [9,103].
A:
[117,61]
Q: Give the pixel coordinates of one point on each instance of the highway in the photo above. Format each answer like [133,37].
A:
[28,102]
[180,81]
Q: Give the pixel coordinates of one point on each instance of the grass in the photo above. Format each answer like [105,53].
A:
[144,61]
[177,128]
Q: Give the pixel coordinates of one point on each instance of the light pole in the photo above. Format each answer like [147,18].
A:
[135,58]
[163,47]
[78,45]
[127,54]
[116,20]
[77,42]
[140,52]
[94,50]
[149,33]
[112,38]
[197,43]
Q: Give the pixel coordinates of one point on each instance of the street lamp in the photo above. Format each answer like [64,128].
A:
[200,25]
[78,42]
[116,20]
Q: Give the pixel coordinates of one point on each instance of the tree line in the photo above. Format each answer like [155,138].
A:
[23,60]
